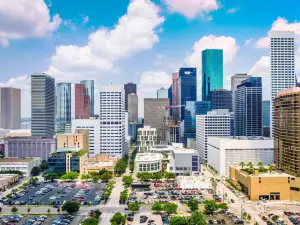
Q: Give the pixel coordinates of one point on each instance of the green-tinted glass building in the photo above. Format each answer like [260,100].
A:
[212,71]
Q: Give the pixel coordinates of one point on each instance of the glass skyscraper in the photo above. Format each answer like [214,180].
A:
[189,121]
[212,71]
[42,105]
[248,108]
[89,90]
[187,87]
[266,113]
[130,88]
[63,106]
[221,99]
[202,107]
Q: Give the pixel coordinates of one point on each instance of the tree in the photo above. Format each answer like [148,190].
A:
[193,204]
[170,208]
[50,176]
[90,221]
[124,195]
[72,175]
[134,207]
[28,209]
[249,217]
[118,218]
[58,210]
[223,206]
[71,207]
[44,166]
[97,213]
[106,176]
[242,164]
[270,169]
[259,164]
[33,180]
[35,171]
[156,176]
[94,176]
[197,218]
[144,176]
[170,175]
[14,209]
[85,177]
[178,220]
[127,180]
[120,167]
[131,166]
[157,206]
[102,172]
[48,210]
[250,164]
[210,206]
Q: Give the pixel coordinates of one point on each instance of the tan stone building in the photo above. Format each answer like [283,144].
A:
[78,140]
[97,163]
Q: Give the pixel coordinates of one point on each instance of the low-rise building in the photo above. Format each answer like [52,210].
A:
[23,165]
[29,147]
[146,138]
[193,182]
[98,163]
[148,162]
[223,152]
[19,133]
[7,180]
[78,139]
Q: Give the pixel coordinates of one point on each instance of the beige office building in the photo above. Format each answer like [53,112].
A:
[77,140]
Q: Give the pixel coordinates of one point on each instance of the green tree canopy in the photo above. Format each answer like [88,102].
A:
[170,208]
[90,221]
[44,166]
[144,176]
[70,176]
[197,218]
[50,176]
[118,219]
[169,175]
[102,172]
[223,206]
[85,177]
[35,171]
[134,207]
[120,167]
[106,176]
[124,195]
[71,207]
[157,206]
[157,176]
[127,180]
[33,180]
[178,220]
[14,209]
[193,204]
[210,206]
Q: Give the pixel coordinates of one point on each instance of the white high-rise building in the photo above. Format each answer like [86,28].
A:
[112,120]
[216,123]
[93,125]
[282,51]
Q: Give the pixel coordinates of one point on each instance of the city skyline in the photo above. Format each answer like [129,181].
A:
[220,28]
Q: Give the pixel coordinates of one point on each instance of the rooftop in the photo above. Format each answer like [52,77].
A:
[17,160]
[148,157]
[249,138]
[192,179]
[68,149]
[275,173]
[184,150]
[100,164]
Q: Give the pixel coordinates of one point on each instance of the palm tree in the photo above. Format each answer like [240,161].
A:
[271,169]
[259,164]
[242,164]
[250,164]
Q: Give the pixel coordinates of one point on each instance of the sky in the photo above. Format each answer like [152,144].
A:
[140,41]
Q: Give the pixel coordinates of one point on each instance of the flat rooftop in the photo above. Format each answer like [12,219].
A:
[184,150]
[141,157]
[68,149]
[246,138]
[16,160]
[100,164]
[275,173]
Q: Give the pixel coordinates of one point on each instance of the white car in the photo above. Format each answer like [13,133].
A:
[52,198]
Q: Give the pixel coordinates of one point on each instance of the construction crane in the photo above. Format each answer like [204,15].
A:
[172,106]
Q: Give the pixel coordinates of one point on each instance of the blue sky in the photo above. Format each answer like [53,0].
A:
[142,41]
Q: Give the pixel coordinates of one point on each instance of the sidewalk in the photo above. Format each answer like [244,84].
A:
[8,191]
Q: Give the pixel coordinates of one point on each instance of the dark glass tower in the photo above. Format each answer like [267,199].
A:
[248,108]
[187,87]
[42,105]
[189,121]
[212,71]
[202,107]
[129,89]
[89,90]
[170,97]
[63,106]
[221,99]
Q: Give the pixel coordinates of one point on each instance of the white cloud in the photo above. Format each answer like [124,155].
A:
[280,24]
[190,8]
[233,10]
[26,19]
[70,24]
[85,19]
[22,82]
[150,82]
[134,32]
[247,42]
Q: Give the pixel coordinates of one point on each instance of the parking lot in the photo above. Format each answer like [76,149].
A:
[57,193]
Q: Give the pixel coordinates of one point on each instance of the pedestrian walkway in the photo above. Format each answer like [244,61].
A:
[8,191]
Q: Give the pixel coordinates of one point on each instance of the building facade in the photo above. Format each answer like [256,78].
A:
[235,81]
[146,138]
[189,121]
[10,108]
[248,108]
[184,162]
[133,107]
[162,93]
[154,114]
[173,134]
[187,86]
[130,88]
[93,126]
[202,107]
[112,121]
[224,152]
[221,99]
[63,106]
[42,105]
[214,123]
[148,162]
[286,131]
[212,71]
[282,52]
[79,140]
[29,147]
[23,165]
[175,97]
[89,91]
[266,118]
[82,102]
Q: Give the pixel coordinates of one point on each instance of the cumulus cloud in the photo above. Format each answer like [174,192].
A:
[191,8]
[280,24]
[134,32]
[25,19]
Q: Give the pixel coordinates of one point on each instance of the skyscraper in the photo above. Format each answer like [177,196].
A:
[189,121]
[154,114]
[112,121]
[42,105]
[133,107]
[202,107]
[212,71]
[63,106]
[82,102]
[221,99]
[162,93]
[129,89]
[248,108]
[286,131]
[175,97]
[170,97]
[266,118]
[10,108]
[187,86]
[282,65]
[235,81]
[89,90]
